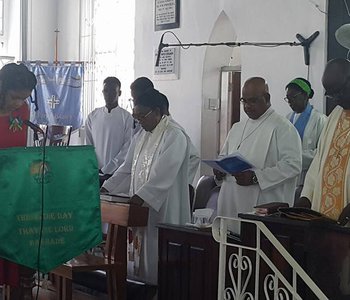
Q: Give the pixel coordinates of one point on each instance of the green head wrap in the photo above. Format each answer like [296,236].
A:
[302,84]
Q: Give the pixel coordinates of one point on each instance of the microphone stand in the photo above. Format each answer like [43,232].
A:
[36,129]
[305,43]
[36,139]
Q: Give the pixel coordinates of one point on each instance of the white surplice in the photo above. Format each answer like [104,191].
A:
[110,133]
[272,145]
[314,177]
[311,136]
[159,160]
[194,158]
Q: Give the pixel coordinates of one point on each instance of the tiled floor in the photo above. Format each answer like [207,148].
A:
[49,294]
[134,292]
[77,295]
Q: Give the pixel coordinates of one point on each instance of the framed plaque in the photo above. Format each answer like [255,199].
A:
[168,68]
[166,14]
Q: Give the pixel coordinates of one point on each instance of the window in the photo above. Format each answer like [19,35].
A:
[1,17]
[107,44]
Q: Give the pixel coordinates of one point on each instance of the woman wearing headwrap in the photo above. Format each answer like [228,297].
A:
[155,173]
[307,121]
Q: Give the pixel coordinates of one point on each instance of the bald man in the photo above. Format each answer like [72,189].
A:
[271,143]
[328,180]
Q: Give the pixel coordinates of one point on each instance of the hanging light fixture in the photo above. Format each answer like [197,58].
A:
[342,35]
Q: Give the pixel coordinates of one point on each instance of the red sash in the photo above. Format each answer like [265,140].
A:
[13,133]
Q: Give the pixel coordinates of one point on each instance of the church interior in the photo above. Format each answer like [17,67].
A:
[201,55]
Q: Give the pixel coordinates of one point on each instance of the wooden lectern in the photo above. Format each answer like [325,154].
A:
[119,216]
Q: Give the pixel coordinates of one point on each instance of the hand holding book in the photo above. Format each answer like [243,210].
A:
[219,175]
[230,164]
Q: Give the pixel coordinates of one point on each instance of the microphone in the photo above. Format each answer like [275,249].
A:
[34,127]
[160,47]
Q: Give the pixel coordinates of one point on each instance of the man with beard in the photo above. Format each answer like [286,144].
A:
[327,181]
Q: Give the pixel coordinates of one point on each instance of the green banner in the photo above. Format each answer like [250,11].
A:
[48,197]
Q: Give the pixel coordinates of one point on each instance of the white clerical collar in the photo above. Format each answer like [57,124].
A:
[105,109]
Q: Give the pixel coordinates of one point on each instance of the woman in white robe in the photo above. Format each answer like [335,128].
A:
[155,174]
[308,121]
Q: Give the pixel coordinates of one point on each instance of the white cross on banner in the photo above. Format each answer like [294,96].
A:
[59,94]
[53,101]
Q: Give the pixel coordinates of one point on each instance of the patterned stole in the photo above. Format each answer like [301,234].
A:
[152,140]
[334,170]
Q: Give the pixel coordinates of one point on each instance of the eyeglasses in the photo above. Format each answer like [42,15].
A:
[250,101]
[291,98]
[141,117]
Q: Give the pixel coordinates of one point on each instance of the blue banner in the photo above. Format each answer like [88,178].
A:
[59,94]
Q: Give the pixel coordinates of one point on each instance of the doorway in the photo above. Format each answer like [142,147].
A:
[221,90]
[230,94]
[219,114]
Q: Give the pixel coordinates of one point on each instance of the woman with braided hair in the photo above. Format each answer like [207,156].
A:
[16,85]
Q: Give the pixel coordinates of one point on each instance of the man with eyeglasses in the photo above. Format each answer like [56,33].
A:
[109,129]
[326,187]
[154,174]
[307,121]
[271,143]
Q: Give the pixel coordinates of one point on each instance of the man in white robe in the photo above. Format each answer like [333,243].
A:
[328,180]
[271,143]
[155,174]
[109,129]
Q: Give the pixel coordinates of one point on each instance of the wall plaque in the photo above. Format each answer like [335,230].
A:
[166,14]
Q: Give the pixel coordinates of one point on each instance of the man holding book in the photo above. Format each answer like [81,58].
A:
[271,144]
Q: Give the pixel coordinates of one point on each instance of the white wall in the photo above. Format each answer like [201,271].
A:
[12,29]
[45,16]
[253,20]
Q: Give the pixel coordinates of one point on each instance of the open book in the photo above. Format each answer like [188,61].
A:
[230,164]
